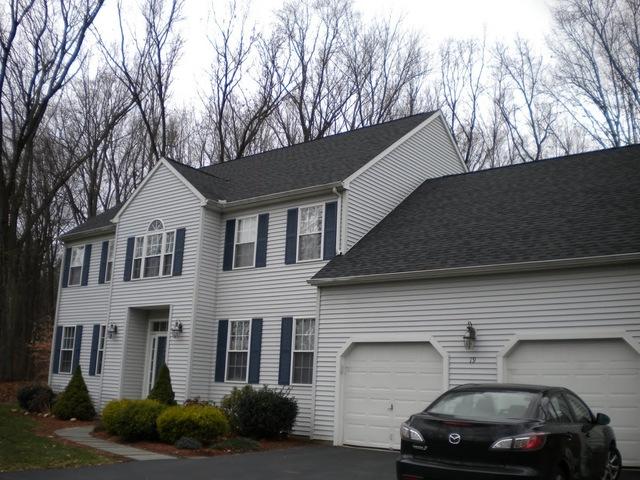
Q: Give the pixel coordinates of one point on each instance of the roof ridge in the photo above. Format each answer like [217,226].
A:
[427,114]
[199,170]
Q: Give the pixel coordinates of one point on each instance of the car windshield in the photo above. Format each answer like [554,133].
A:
[487,405]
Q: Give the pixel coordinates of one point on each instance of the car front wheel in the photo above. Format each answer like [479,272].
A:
[614,465]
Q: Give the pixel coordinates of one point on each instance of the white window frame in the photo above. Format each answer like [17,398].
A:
[235,243]
[143,258]
[71,266]
[294,351]
[298,235]
[63,349]
[100,353]
[248,350]
[108,269]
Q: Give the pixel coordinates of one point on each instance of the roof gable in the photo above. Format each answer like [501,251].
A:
[584,205]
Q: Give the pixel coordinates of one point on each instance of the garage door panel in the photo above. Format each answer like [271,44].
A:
[383,384]
[605,373]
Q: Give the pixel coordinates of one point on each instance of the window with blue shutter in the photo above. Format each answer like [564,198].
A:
[221,350]
[229,239]
[128,259]
[76,347]
[85,265]
[330,230]
[67,266]
[102,273]
[178,252]
[56,348]
[292,236]
[95,338]
[284,370]
[255,350]
[263,232]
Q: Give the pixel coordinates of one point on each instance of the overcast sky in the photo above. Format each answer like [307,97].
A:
[436,19]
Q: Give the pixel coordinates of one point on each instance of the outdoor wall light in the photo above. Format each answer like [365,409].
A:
[469,337]
[112,330]
[176,328]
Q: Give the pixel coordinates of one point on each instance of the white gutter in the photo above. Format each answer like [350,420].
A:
[617,259]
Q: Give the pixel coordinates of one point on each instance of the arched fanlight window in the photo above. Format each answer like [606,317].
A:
[155,226]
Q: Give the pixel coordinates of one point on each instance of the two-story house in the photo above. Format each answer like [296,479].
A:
[367,272]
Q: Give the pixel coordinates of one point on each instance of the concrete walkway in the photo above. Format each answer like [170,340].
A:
[82,435]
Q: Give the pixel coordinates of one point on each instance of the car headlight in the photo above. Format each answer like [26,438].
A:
[410,434]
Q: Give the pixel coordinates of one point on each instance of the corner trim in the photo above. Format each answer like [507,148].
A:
[338,428]
[591,334]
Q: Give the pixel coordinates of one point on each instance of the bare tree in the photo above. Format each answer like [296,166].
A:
[40,47]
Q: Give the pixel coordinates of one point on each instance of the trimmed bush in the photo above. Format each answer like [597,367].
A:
[188,443]
[132,420]
[162,390]
[36,397]
[203,423]
[75,401]
[264,413]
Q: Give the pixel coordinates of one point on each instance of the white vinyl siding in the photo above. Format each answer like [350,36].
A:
[66,349]
[499,306]
[75,266]
[373,194]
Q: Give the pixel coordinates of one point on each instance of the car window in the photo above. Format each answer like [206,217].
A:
[555,409]
[485,405]
[580,410]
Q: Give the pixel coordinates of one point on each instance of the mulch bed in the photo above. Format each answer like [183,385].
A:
[167,449]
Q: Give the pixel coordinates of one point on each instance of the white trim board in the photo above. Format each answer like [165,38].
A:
[338,429]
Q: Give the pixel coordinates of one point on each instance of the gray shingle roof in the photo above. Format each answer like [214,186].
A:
[570,207]
[319,162]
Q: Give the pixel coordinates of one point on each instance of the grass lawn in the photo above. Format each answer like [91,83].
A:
[21,448]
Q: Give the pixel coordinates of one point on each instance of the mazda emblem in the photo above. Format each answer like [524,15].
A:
[454,438]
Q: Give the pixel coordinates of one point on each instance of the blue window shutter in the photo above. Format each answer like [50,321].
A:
[178,252]
[229,237]
[67,266]
[94,349]
[330,229]
[85,265]
[255,350]
[128,259]
[221,352]
[103,261]
[77,343]
[284,371]
[263,233]
[290,250]
[56,349]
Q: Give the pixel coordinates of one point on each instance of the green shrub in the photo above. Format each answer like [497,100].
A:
[132,420]
[162,390]
[35,397]
[75,401]
[264,413]
[204,423]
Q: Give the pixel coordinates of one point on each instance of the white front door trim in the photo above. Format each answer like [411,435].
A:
[575,334]
[338,430]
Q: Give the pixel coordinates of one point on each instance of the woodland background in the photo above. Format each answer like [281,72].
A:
[83,119]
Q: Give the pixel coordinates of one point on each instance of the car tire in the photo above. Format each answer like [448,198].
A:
[613,467]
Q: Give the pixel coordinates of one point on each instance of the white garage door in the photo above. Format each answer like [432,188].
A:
[605,373]
[383,384]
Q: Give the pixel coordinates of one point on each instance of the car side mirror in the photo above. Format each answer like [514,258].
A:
[602,419]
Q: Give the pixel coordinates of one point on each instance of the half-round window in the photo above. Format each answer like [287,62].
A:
[156,225]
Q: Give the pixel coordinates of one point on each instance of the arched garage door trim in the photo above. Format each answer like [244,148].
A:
[577,334]
[338,432]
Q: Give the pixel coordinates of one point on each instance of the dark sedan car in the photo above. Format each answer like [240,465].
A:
[501,431]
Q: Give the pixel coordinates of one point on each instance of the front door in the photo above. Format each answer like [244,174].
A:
[156,353]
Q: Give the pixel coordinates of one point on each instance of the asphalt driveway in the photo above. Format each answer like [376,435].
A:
[309,462]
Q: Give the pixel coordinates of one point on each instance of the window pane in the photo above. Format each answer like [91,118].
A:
[302,367]
[156,225]
[246,230]
[77,254]
[309,247]
[169,242]
[107,275]
[110,251]
[154,245]
[65,361]
[136,267]
[137,251]
[244,255]
[581,411]
[152,266]
[304,334]
[99,362]
[74,275]
[310,220]
[237,366]
[166,267]
[487,405]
